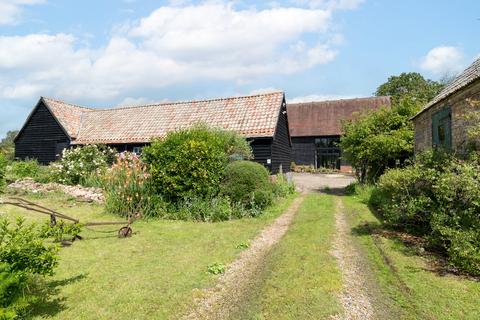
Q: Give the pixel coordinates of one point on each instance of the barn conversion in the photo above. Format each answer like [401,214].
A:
[316,128]
[55,125]
[441,123]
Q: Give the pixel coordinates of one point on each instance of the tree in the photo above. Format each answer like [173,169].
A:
[410,85]
[379,139]
[7,145]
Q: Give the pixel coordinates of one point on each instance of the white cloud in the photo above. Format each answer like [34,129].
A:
[331,4]
[180,43]
[443,60]
[318,97]
[11,10]
[139,101]
[264,90]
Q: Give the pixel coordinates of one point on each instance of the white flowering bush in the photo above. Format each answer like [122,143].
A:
[79,164]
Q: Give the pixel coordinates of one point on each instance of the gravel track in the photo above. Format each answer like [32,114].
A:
[235,285]
[354,297]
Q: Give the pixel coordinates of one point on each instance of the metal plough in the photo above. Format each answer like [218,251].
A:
[124,232]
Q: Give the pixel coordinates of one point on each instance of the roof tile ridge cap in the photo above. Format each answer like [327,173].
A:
[188,101]
[341,100]
[67,103]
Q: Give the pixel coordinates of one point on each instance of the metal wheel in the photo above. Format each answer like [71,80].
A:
[125,232]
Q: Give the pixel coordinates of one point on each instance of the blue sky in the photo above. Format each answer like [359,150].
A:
[109,53]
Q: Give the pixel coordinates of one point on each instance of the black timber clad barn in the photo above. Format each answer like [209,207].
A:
[316,128]
[54,125]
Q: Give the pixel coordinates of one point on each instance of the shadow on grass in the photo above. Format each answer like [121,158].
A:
[47,302]
[339,191]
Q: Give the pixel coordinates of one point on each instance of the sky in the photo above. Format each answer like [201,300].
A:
[128,52]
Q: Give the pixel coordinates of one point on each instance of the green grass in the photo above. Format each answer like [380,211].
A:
[409,287]
[154,274]
[301,277]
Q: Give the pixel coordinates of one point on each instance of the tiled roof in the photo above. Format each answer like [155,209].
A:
[324,118]
[470,74]
[251,116]
[68,115]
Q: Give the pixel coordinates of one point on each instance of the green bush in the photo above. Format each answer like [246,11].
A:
[282,187]
[45,174]
[3,169]
[128,189]
[191,162]
[439,197]
[24,169]
[212,209]
[78,164]
[12,286]
[23,253]
[24,249]
[247,183]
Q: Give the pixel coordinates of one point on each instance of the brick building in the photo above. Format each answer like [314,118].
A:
[441,123]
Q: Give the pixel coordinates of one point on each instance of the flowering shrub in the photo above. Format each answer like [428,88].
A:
[128,189]
[78,164]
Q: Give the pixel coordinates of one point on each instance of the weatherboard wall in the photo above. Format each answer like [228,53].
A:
[281,144]
[42,138]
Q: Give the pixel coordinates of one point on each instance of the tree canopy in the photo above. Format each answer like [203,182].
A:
[7,145]
[410,85]
[379,139]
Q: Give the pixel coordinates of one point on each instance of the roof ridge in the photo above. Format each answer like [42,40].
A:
[345,99]
[67,103]
[189,101]
[468,76]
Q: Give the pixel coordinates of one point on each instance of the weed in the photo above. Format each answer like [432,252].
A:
[216,268]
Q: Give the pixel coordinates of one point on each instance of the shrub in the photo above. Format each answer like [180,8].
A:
[12,285]
[247,183]
[202,209]
[60,230]
[3,168]
[439,197]
[128,189]
[282,186]
[24,169]
[78,163]
[191,162]
[24,250]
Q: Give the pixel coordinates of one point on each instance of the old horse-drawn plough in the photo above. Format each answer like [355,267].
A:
[123,232]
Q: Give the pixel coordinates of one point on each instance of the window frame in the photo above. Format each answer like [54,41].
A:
[442,119]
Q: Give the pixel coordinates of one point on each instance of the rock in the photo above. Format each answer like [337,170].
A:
[79,192]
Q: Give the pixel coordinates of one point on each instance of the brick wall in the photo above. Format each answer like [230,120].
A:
[457,102]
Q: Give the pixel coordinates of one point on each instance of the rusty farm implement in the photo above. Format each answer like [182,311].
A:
[124,231]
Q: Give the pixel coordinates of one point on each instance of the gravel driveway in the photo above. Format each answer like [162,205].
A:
[307,182]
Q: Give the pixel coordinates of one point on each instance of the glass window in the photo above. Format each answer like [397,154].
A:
[328,152]
[442,129]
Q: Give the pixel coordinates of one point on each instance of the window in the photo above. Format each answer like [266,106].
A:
[137,150]
[328,152]
[442,129]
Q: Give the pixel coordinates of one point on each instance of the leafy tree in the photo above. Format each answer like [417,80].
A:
[379,139]
[7,146]
[410,85]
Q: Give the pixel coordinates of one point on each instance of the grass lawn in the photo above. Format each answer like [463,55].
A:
[409,288]
[152,275]
[301,277]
